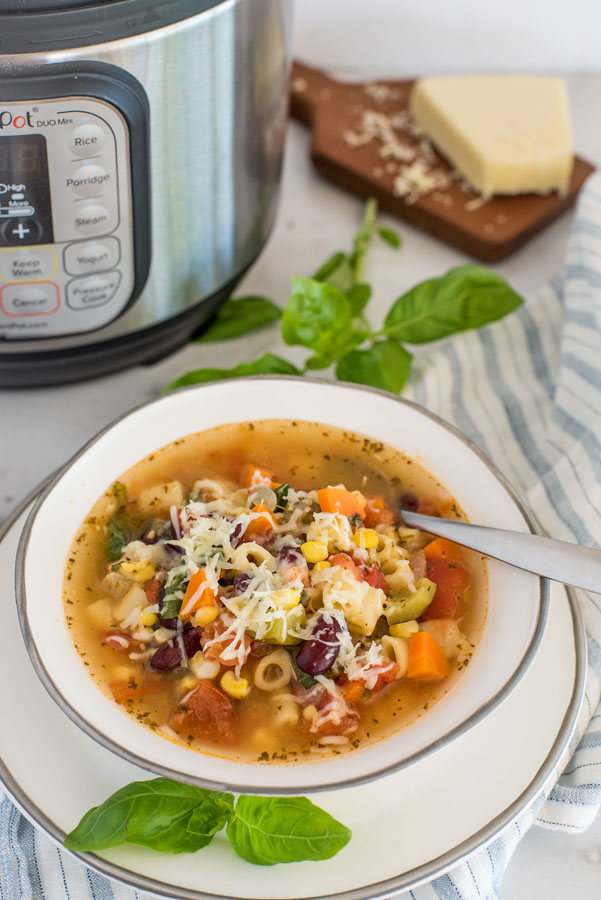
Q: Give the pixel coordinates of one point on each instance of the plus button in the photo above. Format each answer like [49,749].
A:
[21,231]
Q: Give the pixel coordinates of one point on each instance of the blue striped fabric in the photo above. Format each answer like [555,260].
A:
[527,390]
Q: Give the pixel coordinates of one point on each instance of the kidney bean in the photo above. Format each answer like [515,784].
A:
[241,582]
[150,537]
[167,657]
[237,534]
[290,555]
[320,652]
[410,502]
[192,641]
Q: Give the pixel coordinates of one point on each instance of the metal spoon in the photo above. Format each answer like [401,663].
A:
[558,560]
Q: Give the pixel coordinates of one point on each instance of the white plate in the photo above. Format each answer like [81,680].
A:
[407,827]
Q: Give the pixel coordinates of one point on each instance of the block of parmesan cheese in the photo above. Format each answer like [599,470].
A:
[506,134]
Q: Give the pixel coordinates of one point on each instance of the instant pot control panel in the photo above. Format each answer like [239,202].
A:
[73,255]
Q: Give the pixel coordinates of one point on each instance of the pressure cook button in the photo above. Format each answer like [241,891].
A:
[21,231]
[91,256]
[86,140]
[92,220]
[37,264]
[88,181]
[26,300]
[88,293]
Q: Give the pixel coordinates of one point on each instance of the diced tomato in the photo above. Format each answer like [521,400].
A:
[352,691]
[153,590]
[452,580]
[214,649]
[127,690]
[207,713]
[377,513]
[345,562]
[427,508]
[373,576]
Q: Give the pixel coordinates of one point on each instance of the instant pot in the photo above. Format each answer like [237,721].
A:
[140,157]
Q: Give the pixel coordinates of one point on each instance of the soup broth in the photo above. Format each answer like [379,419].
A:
[250,591]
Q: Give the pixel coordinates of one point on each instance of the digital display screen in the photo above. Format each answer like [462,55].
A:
[25,213]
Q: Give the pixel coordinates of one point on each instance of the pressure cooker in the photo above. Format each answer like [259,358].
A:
[140,158]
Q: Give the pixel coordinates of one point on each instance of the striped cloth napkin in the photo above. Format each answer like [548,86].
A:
[527,390]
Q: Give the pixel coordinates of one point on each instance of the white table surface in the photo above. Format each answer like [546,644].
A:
[41,428]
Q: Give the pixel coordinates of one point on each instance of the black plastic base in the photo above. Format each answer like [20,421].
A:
[49,367]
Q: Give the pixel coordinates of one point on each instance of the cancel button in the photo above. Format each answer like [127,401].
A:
[88,293]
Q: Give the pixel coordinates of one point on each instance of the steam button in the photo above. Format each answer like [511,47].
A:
[92,220]
[86,140]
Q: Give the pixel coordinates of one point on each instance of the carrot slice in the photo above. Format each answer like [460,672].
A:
[339,500]
[377,512]
[427,660]
[253,476]
[441,548]
[263,523]
[198,593]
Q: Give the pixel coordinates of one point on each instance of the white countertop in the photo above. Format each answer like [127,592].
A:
[42,428]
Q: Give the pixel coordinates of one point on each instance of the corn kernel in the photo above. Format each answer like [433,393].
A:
[404,629]
[236,687]
[309,712]
[285,598]
[188,682]
[321,565]
[366,538]
[138,571]
[204,669]
[147,619]
[162,635]
[314,551]
[204,615]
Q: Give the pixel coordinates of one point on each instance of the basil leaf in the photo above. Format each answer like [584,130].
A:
[269,830]
[240,315]
[161,814]
[466,297]
[317,315]
[390,236]
[329,268]
[385,365]
[171,603]
[281,494]
[115,542]
[358,296]
[267,364]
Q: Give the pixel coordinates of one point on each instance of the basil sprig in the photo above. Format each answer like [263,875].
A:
[115,542]
[326,314]
[240,316]
[179,818]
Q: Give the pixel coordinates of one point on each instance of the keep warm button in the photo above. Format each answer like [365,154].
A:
[88,293]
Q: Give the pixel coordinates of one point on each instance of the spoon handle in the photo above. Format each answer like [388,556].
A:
[558,560]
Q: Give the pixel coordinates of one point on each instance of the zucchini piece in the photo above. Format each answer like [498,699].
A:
[279,630]
[413,605]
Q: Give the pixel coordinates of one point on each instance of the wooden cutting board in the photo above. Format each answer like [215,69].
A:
[363,141]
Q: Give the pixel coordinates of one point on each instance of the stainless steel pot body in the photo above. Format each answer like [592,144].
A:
[216,85]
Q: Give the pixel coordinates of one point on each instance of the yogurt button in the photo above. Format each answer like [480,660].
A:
[91,256]
[92,220]
[88,181]
[86,140]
